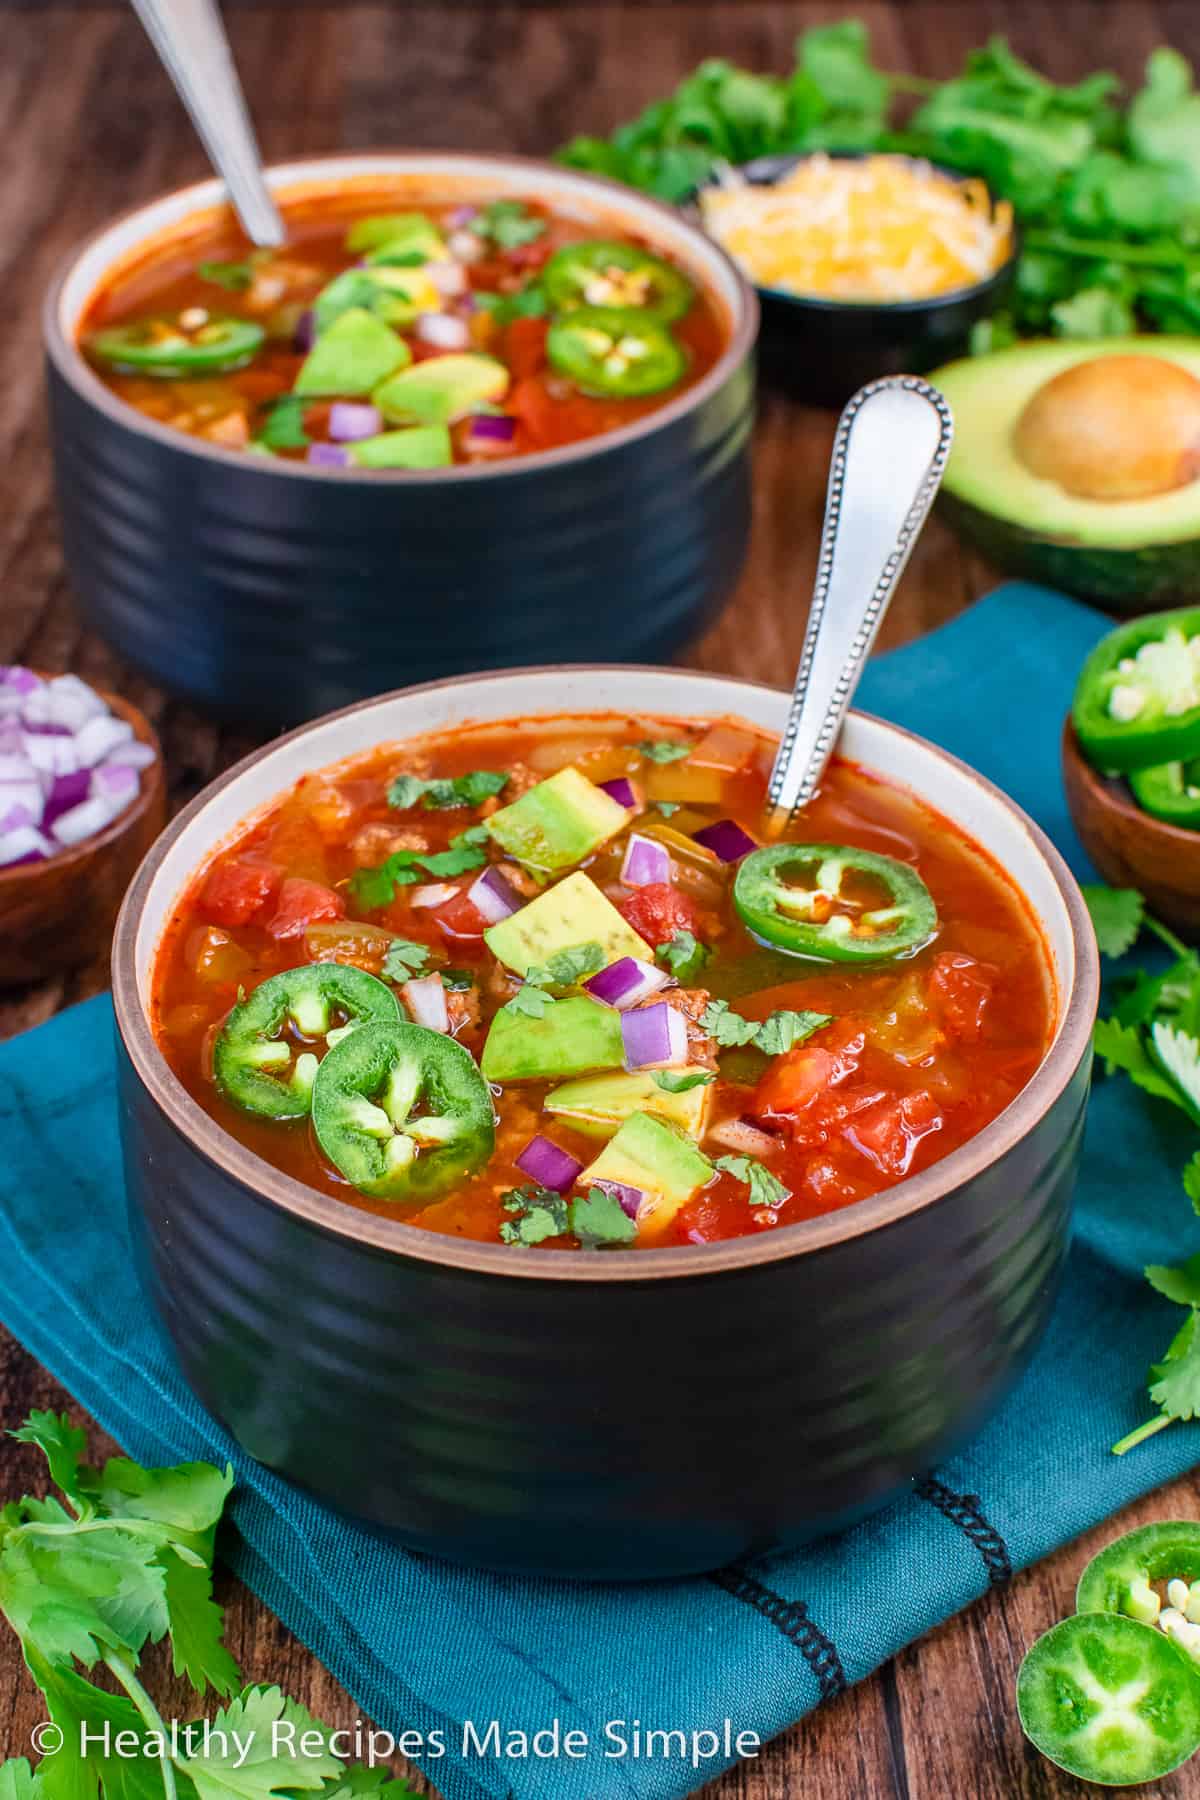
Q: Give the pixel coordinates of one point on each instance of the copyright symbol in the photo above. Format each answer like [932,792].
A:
[47,1737]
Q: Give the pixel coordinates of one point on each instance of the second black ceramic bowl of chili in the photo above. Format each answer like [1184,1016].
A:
[274,590]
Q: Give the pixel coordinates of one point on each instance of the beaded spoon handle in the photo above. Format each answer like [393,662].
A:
[192,46]
[889,456]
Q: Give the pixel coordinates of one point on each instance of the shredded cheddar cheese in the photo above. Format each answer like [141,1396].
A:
[875,228]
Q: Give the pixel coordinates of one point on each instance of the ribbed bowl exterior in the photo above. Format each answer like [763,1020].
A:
[608,1429]
[275,599]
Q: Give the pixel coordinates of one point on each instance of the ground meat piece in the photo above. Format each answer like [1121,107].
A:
[525,884]
[375,843]
[691,1002]
[520,779]
[232,430]
[500,984]
[463,1008]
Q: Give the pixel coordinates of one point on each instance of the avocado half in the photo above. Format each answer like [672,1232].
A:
[1128,555]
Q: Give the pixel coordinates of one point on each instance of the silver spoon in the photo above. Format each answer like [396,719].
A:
[191,43]
[888,459]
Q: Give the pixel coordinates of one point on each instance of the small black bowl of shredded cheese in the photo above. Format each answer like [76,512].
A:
[865,265]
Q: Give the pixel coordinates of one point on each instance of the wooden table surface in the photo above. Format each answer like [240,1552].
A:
[90,127]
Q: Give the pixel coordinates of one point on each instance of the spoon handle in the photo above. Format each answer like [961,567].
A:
[190,40]
[888,458]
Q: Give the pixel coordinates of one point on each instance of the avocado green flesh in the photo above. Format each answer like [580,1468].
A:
[356,353]
[572,1037]
[558,822]
[658,1159]
[572,912]
[1035,527]
[601,1103]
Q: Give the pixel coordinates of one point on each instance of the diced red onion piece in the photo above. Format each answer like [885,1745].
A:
[739,1134]
[621,790]
[25,845]
[426,1001]
[726,839]
[305,334]
[67,791]
[115,781]
[13,815]
[131,756]
[646,862]
[50,753]
[494,897]
[84,821]
[467,246]
[630,1197]
[496,428]
[327,456]
[72,688]
[19,680]
[461,215]
[350,420]
[67,711]
[655,1037]
[20,789]
[626,981]
[442,331]
[449,278]
[434,893]
[549,1166]
[99,738]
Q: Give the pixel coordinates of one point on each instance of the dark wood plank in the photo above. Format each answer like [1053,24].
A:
[91,127]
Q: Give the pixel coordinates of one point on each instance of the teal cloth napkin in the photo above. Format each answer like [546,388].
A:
[424,1646]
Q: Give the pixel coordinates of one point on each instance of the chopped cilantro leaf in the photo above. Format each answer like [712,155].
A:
[404,959]
[680,1081]
[785,1028]
[1175,1386]
[283,427]
[566,967]
[236,277]
[538,1213]
[508,223]
[667,807]
[529,1002]
[373,888]
[1181,1284]
[458,790]
[600,1222]
[684,955]
[765,1189]
[457,981]
[662,751]
[1117,915]
[1179,1053]
[726,1026]
[527,303]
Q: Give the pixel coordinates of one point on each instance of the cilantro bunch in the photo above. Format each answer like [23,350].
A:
[122,1560]
[1108,195]
[1153,1037]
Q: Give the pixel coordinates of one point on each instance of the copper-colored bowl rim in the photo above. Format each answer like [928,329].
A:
[64,352]
[149,786]
[1070,1046]
[1185,839]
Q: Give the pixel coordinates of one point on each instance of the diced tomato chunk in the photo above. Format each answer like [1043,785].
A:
[238,892]
[832,1181]
[301,904]
[960,988]
[717,1212]
[460,918]
[888,1134]
[794,1080]
[526,346]
[657,912]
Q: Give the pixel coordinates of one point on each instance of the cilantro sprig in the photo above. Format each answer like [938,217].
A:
[509,224]
[662,750]
[1153,1037]
[772,1035]
[682,1081]
[445,793]
[121,1560]
[405,959]
[684,955]
[564,969]
[283,426]
[234,277]
[374,888]
[596,1218]
[766,1189]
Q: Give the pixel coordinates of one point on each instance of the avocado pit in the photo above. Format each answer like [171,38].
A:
[1114,428]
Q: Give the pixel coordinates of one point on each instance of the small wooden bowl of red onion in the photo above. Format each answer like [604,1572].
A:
[82,798]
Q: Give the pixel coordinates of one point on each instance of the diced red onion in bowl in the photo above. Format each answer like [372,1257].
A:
[630,1198]
[449,278]
[494,897]
[626,981]
[442,331]
[490,434]
[460,216]
[646,862]
[327,456]
[18,680]
[433,893]
[24,845]
[549,1166]
[426,1001]
[83,821]
[68,791]
[99,738]
[726,839]
[622,791]
[466,245]
[132,755]
[655,1037]
[305,334]
[350,420]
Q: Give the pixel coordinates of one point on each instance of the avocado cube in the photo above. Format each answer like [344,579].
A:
[656,1157]
[572,1037]
[394,295]
[415,447]
[558,822]
[598,1104]
[354,355]
[396,234]
[570,913]
[443,388]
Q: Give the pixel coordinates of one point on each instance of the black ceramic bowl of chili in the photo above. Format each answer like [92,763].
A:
[824,349]
[273,574]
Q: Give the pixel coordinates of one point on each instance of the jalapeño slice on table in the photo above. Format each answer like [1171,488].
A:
[1169,791]
[266,1055]
[168,347]
[1120,1579]
[834,902]
[402,1111]
[1109,1700]
[611,274]
[621,352]
[1137,700]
